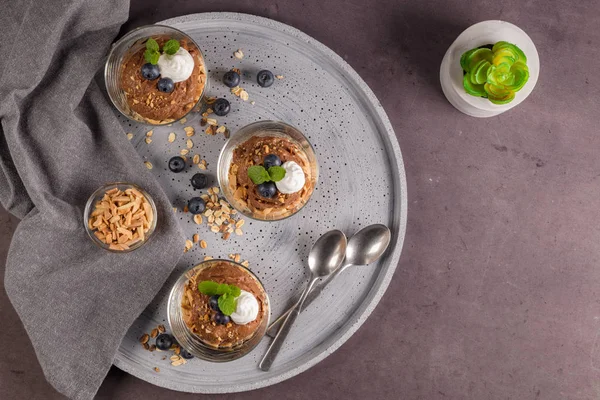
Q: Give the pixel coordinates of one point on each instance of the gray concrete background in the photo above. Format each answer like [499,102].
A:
[495,296]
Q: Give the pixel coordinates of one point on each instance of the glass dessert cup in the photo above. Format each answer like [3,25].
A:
[97,196]
[191,341]
[129,45]
[263,129]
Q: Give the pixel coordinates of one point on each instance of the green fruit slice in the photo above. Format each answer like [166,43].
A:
[472,88]
[478,74]
[476,56]
[520,74]
[520,56]
[498,94]
[464,59]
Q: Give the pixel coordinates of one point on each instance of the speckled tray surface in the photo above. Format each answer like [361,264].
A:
[361,182]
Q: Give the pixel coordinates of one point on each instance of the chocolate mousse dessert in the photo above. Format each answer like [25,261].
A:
[163,79]
[224,304]
[270,176]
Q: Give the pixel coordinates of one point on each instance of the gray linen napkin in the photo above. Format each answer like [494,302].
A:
[60,141]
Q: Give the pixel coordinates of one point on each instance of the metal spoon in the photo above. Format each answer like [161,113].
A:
[325,256]
[365,247]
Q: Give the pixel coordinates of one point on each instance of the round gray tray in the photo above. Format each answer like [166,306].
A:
[361,182]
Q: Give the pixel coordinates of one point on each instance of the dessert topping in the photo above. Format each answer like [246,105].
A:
[246,309]
[178,66]
[293,180]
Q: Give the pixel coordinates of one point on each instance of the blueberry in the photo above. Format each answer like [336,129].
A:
[267,189]
[213,302]
[231,79]
[221,318]
[150,71]
[185,354]
[196,205]
[265,78]
[221,107]
[271,160]
[199,181]
[176,164]
[166,85]
[164,341]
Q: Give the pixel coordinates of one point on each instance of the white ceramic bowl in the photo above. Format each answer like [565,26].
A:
[482,33]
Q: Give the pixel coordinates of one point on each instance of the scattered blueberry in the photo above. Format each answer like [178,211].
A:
[271,160]
[164,341]
[199,181]
[150,71]
[166,85]
[176,164]
[221,107]
[196,205]
[213,302]
[265,78]
[267,189]
[221,318]
[231,79]
[185,354]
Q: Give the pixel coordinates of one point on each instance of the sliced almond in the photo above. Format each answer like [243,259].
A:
[239,54]
[196,159]
[148,164]
[198,219]
[196,238]
[203,244]
[189,131]
[130,136]
[189,144]
[148,140]
[149,133]
[172,137]
[184,152]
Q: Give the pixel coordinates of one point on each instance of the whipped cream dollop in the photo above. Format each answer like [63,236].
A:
[246,309]
[293,180]
[178,67]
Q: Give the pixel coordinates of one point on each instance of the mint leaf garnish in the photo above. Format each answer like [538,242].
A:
[152,44]
[258,174]
[227,304]
[151,56]
[171,47]
[235,291]
[276,173]
[211,288]
[208,288]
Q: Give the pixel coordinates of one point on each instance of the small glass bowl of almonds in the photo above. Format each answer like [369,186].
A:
[120,217]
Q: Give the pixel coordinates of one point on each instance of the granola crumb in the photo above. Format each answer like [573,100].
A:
[156,369]
[239,54]
[148,164]
[129,136]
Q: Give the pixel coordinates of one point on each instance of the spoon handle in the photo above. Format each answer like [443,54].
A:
[286,326]
[313,294]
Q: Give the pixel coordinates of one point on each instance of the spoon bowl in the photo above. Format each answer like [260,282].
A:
[368,244]
[327,253]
